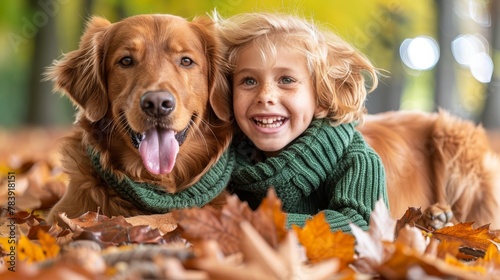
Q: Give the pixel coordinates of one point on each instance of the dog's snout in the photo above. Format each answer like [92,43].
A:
[157,103]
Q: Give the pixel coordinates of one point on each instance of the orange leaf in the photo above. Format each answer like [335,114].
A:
[479,238]
[271,206]
[48,244]
[29,251]
[321,243]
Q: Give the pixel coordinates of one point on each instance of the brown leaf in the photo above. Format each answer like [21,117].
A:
[163,222]
[86,220]
[118,231]
[479,238]
[205,224]
[411,216]
[223,225]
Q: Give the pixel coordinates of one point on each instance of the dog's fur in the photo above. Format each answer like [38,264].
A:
[108,88]
[437,158]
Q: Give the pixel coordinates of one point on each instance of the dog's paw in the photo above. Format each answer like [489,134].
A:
[437,216]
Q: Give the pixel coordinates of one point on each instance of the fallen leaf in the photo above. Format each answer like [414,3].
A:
[165,223]
[29,251]
[411,216]
[479,238]
[321,243]
[208,223]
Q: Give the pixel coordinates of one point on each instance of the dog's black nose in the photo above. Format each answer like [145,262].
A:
[157,103]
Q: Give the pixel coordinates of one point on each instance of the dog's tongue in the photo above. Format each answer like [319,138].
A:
[158,150]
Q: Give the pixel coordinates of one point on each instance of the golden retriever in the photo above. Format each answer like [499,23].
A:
[148,89]
[435,160]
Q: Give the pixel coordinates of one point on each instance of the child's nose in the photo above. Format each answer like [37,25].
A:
[267,94]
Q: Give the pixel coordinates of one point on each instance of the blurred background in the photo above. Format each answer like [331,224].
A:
[437,53]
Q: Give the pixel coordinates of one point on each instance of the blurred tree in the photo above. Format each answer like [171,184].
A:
[446,93]
[44,108]
[490,117]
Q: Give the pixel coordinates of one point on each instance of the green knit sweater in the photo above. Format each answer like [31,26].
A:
[151,198]
[329,169]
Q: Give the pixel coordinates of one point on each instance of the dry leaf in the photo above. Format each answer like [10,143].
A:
[479,238]
[163,222]
[208,223]
[321,243]
[411,216]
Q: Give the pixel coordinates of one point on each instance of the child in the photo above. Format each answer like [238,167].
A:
[297,95]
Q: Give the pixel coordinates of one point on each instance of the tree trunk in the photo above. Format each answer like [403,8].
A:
[446,92]
[490,117]
[44,107]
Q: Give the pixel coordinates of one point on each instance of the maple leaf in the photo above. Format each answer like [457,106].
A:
[207,223]
[479,238]
[204,224]
[321,243]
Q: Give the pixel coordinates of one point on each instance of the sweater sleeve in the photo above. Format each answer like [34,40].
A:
[353,193]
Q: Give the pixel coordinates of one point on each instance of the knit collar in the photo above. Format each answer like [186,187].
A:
[303,165]
[152,198]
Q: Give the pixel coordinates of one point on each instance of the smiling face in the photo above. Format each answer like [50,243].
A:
[273,100]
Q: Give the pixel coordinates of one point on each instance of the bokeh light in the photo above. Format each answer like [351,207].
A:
[472,51]
[420,53]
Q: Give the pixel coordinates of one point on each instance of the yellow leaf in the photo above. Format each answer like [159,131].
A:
[48,244]
[321,243]
[29,251]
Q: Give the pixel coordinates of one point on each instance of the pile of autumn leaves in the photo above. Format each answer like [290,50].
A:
[237,243]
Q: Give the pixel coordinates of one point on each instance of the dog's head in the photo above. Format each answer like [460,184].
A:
[153,76]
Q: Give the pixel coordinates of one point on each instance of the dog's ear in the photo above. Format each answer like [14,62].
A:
[80,73]
[219,90]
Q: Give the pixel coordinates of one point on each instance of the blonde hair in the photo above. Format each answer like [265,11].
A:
[337,69]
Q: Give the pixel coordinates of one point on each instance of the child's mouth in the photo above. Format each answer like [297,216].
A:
[269,122]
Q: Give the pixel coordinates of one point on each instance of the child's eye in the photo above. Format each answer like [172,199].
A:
[249,81]
[287,80]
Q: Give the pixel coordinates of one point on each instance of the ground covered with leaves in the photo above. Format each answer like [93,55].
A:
[234,242]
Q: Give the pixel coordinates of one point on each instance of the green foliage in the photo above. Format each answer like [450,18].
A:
[376,27]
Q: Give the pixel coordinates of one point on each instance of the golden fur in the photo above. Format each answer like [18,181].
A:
[437,158]
[107,87]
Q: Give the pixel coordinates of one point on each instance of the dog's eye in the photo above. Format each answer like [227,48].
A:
[186,61]
[126,61]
